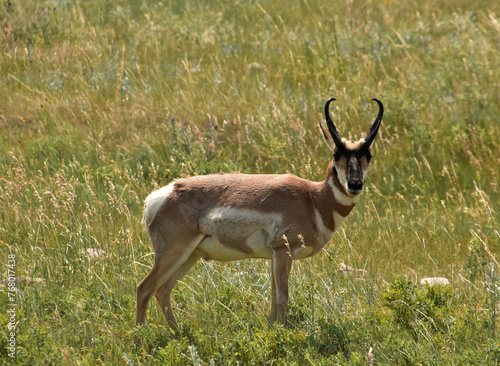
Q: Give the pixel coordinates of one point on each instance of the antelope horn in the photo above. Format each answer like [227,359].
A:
[376,124]
[331,127]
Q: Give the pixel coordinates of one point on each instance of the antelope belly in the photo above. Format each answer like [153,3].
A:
[302,252]
[254,246]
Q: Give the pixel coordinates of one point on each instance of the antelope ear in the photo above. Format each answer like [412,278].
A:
[328,138]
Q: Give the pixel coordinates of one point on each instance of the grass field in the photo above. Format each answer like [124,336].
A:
[102,101]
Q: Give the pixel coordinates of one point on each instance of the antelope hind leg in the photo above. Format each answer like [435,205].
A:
[167,262]
[163,293]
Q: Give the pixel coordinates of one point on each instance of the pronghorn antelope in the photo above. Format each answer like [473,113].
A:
[235,216]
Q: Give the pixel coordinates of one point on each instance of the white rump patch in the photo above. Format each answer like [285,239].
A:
[154,201]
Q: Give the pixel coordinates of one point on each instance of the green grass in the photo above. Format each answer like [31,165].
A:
[103,101]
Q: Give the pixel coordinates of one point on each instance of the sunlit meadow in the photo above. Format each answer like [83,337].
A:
[103,101]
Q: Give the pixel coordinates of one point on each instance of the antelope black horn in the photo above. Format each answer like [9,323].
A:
[376,124]
[331,127]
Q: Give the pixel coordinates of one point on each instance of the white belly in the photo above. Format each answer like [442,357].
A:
[255,246]
[302,252]
[234,233]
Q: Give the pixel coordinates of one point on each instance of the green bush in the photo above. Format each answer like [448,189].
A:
[415,306]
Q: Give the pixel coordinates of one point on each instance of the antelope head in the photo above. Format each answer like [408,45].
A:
[351,159]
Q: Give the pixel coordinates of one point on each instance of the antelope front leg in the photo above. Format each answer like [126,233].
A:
[281,266]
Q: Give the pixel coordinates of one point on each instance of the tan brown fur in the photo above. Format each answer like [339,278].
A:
[236,216]
[192,199]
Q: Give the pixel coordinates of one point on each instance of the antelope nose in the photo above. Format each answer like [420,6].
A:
[355,186]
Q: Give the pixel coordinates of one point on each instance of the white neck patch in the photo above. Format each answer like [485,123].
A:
[340,196]
[324,234]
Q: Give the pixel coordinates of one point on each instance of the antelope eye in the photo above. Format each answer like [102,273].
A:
[337,156]
[369,157]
